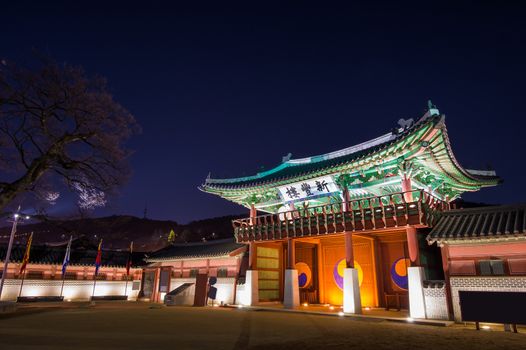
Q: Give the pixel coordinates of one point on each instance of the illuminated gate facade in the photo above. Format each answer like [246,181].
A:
[359,212]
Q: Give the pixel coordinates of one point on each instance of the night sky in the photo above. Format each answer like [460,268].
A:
[232,90]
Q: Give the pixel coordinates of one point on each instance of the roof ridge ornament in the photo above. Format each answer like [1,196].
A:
[405,123]
[286,158]
[432,109]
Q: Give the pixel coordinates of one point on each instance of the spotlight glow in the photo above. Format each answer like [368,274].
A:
[341,313]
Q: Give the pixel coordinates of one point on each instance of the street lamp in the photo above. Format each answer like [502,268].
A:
[16,217]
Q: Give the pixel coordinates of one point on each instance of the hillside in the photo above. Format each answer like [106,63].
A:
[117,231]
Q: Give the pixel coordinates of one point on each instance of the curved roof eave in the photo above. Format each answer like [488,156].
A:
[489,180]
[354,152]
[232,188]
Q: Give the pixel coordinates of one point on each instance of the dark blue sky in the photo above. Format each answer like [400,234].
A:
[231,90]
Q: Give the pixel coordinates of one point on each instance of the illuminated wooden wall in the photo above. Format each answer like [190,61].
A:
[333,252]
[269,264]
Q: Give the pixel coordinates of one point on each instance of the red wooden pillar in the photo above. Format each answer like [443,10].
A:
[346,199]
[293,213]
[412,244]
[349,255]
[253,214]
[444,250]
[155,291]
[291,254]
[406,188]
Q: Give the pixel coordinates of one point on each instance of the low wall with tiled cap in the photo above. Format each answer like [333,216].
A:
[485,284]
[74,290]
[436,300]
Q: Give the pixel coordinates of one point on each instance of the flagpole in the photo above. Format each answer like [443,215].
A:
[63,280]
[128,264]
[25,261]
[97,265]
[16,216]
[65,263]
[94,284]
[22,284]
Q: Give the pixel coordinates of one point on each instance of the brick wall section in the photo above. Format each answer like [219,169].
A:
[486,284]
[436,302]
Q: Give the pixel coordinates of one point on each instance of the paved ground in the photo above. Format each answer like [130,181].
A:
[143,326]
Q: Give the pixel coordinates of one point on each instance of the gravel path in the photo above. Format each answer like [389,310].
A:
[142,326]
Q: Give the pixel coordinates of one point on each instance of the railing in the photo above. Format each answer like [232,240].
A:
[391,210]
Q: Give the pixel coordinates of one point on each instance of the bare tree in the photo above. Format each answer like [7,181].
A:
[61,127]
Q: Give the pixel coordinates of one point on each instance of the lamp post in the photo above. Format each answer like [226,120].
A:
[16,217]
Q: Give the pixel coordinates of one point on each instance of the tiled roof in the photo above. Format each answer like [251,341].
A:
[292,168]
[45,254]
[299,167]
[210,249]
[499,222]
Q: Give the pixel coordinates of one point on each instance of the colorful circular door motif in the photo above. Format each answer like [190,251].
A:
[399,272]
[337,272]
[304,274]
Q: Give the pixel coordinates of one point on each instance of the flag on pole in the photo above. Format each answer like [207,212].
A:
[65,263]
[25,260]
[98,259]
[129,262]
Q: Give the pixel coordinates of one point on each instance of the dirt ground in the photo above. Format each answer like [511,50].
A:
[145,326]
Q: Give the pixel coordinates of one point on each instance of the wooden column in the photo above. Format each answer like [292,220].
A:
[444,250]
[291,254]
[412,244]
[379,272]
[293,213]
[252,252]
[155,291]
[253,214]
[346,199]
[321,276]
[406,186]
[349,255]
